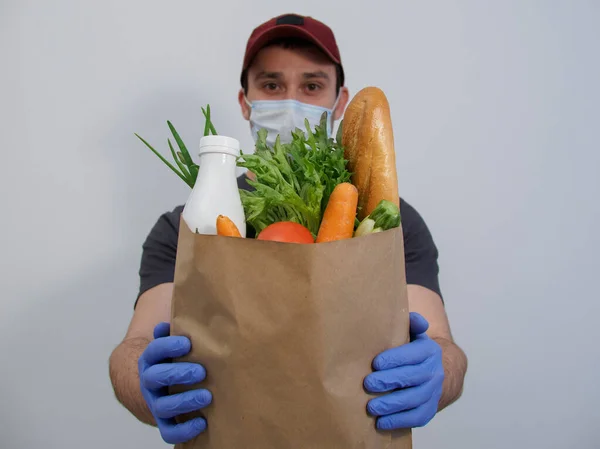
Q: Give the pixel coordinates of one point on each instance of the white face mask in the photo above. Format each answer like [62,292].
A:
[281,117]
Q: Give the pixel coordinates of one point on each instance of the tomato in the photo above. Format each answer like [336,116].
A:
[286,231]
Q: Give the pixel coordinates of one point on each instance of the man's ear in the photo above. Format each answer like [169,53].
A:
[243,105]
[338,113]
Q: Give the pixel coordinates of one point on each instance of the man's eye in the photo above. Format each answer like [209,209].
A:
[271,86]
[312,87]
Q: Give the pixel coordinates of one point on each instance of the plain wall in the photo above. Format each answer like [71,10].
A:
[496,121]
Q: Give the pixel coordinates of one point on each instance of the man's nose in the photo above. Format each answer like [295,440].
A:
[291,94]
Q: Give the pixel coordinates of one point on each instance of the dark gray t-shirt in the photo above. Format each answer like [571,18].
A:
[160,248]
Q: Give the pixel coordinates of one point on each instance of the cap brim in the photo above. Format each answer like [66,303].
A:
[283,31]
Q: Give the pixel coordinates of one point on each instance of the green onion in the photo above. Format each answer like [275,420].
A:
[188,170]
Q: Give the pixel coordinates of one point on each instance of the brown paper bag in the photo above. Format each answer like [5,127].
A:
[287,333]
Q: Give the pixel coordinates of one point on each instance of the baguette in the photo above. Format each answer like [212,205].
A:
[368,141]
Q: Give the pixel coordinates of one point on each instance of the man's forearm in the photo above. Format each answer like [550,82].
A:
[124,376]
[455,368]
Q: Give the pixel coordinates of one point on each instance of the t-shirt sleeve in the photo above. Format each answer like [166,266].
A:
[159,252]
[420,251]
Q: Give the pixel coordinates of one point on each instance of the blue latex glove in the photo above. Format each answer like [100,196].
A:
[412,376]
[157,373]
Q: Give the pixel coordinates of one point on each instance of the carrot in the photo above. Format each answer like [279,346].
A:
[339,215]
[226,227]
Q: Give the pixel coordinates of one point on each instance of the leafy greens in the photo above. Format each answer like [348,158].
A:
[293,180]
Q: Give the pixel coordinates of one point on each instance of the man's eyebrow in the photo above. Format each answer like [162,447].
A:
[318,74]
[268,75]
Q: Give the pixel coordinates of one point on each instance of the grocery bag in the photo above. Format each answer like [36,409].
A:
[287,333]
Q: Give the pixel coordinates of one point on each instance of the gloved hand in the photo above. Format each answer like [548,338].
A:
[412,376]
[157,373]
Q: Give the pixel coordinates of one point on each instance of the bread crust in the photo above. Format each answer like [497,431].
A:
[368,141]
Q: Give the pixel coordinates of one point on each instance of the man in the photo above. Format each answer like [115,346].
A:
[294,63]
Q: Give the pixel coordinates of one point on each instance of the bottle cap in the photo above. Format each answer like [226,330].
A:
[219,144]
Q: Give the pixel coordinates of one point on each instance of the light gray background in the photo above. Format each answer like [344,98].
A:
[496,114]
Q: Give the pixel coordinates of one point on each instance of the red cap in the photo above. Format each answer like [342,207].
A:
[293,25]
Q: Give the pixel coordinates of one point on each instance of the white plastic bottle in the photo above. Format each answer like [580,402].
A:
[215,191]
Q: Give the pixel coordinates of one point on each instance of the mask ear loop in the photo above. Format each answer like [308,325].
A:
[337,100]
[330,124]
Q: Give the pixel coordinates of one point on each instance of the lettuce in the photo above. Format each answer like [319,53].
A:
[294,180]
